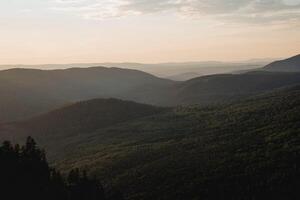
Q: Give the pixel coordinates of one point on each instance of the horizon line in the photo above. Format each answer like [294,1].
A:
[152,63]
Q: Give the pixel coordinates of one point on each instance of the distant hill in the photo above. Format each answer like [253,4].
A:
[288,65]
[216,89]
[247,149]
[78,119]
[184,76]
[29,92]
[163,69]
[88,116]
[166,70]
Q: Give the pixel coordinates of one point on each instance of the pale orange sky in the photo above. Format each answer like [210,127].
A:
[82,31]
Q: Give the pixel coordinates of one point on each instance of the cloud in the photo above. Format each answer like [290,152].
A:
[68,1]
[254,11]
[25,10]
[93,9]
[245,11]
[291,2]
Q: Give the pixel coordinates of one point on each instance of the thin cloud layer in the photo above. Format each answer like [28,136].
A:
[254,11]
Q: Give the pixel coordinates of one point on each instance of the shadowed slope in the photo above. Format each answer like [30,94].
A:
[56,129]
[227,87]
[288,65]
[246,150]
[28,92]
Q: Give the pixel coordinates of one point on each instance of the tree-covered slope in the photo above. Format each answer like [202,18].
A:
[56,129]
[88,116]
[222,88]
[249,150]
[246,150]
[28,92]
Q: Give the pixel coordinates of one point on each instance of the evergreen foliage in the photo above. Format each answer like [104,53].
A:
[25,174]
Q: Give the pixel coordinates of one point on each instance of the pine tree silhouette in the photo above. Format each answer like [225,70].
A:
[25,174]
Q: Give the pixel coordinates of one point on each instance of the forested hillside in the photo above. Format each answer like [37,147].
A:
[246,150]
[224,88]
[28,93]
[59,127]
[150,100]
[25,174]
[249,150]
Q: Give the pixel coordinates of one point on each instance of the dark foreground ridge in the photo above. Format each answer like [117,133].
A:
[25,174]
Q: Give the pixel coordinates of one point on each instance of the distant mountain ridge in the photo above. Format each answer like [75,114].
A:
[184,76]
[162,69]
[224,88]
[288,65]
[29,92]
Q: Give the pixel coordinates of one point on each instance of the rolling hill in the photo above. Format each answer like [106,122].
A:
[56,128]
[248,150]
[222,88]
[288,65]
[163,69]
[245,150]
[184,76]
[27,92]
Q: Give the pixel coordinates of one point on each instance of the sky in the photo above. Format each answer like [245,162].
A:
[148,31]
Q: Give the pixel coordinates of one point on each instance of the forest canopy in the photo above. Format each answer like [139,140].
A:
[26,174]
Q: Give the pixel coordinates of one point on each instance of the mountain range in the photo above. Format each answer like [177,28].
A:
[162,69]
[225,136]
[30,92]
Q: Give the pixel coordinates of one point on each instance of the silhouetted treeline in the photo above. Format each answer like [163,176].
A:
[25,174]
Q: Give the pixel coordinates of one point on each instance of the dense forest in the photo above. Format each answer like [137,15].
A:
[245,150]
[230,136]
[25,174]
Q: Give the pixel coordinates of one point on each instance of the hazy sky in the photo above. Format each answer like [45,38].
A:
[69,31]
